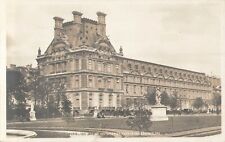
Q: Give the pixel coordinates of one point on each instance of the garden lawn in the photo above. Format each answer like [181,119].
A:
[174,124]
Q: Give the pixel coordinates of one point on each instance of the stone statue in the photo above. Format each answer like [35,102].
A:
[32,112]
[158,97]
[39,52]
[121,50]
[32,106]
[95,112]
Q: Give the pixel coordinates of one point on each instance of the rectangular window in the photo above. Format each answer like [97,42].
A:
[84,81]
[77,64]
[109,83]
[100,100]
[99,66]
[117,83]
[53,68]
[110,100]
[134,88]
[90,81]
[77,101]
[100,84]
[117,69]
[64,67]
[127,88]
[77,81]
[118,100]
[90,100]
[109,68]
[84,64]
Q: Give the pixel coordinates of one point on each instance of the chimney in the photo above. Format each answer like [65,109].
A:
[58,26]
[77,17]
[101,17]
[101,23]
[12,66]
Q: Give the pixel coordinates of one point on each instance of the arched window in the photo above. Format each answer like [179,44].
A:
[160,70]
[129,66]
[136,67]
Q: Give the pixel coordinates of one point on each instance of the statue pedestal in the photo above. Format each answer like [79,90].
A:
[158,113]
[32,116]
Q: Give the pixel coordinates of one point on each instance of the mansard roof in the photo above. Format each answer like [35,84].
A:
[161,65]
[83,20]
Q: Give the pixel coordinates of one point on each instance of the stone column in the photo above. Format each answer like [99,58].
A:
[105,99]
[114,100]
[95,100]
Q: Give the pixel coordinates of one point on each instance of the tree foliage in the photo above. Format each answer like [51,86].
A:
[141,121]
[216,100]
[151,93]
[173,101]
[165,99]
[66,105]
[198,103]
[59,91]
[17,90]
[41,89]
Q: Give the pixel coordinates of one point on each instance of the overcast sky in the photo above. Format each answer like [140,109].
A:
[181,34]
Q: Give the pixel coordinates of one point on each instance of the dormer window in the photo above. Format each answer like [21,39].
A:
[160,70]
[136,67]
[129,66]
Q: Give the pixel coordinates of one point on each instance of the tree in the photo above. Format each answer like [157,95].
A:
[17,90]
[52,107]
[34,85]
[198,103]
[216,101]
[43,89]
[173,101]
[59,90]
[165,99]
[66,106]
[151,93]
[141,121]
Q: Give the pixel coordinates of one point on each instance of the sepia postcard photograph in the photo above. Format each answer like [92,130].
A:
[128,70]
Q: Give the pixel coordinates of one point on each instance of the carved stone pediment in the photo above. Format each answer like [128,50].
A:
[103,46]
[57,46]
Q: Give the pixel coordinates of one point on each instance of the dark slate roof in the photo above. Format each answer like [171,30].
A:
[68,23]
[83,20]
[89,21]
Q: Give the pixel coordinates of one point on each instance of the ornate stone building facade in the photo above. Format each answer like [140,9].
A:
[82,56]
